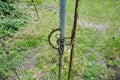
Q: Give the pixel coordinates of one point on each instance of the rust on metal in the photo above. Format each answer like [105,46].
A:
[57,39]
[73,35]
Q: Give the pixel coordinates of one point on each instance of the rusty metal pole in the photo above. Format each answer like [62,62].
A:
[73,35]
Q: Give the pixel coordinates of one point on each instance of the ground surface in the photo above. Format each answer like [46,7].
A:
[41,61]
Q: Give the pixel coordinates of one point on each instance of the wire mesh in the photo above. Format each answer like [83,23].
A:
[98,28]
[98,24]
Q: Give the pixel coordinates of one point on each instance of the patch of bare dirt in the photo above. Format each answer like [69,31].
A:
[30,62]
[101,27]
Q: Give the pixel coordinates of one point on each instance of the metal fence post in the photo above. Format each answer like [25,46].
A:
[73,35]
[62,14]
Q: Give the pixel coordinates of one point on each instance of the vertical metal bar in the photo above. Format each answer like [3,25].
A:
[62,15]
[73,35]
[35,8]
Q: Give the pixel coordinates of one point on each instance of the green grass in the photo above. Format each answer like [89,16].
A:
[101,11]
[93,49]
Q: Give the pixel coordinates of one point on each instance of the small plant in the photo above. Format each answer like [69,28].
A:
[11,18]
